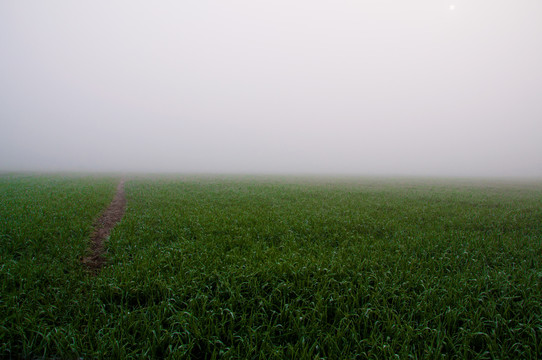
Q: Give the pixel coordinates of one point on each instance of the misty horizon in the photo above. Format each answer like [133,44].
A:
[421,88]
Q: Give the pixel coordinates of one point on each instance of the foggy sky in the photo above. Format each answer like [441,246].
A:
[292,86]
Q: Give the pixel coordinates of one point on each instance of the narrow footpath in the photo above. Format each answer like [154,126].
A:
[102,228]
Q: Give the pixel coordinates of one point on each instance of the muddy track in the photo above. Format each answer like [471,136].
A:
[102,228]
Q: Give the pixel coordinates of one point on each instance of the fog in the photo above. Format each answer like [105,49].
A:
[369,87]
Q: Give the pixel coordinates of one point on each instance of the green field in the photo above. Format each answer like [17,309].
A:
[272,267]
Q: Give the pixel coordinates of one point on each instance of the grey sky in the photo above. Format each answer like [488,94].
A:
[339,86]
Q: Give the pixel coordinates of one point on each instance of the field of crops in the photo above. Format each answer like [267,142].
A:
[272,267]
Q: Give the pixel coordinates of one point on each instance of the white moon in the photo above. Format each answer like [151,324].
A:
[452,7]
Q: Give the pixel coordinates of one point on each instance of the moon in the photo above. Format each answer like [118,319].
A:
[452,7]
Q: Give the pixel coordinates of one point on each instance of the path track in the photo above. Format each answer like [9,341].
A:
[102,228]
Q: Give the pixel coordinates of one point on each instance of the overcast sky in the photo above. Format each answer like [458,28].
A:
[385,87]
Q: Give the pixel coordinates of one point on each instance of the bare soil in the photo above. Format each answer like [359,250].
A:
[102,228]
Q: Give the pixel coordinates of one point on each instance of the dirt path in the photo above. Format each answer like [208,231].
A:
[102,228]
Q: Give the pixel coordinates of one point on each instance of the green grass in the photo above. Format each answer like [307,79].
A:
[240,267]
[45,222]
